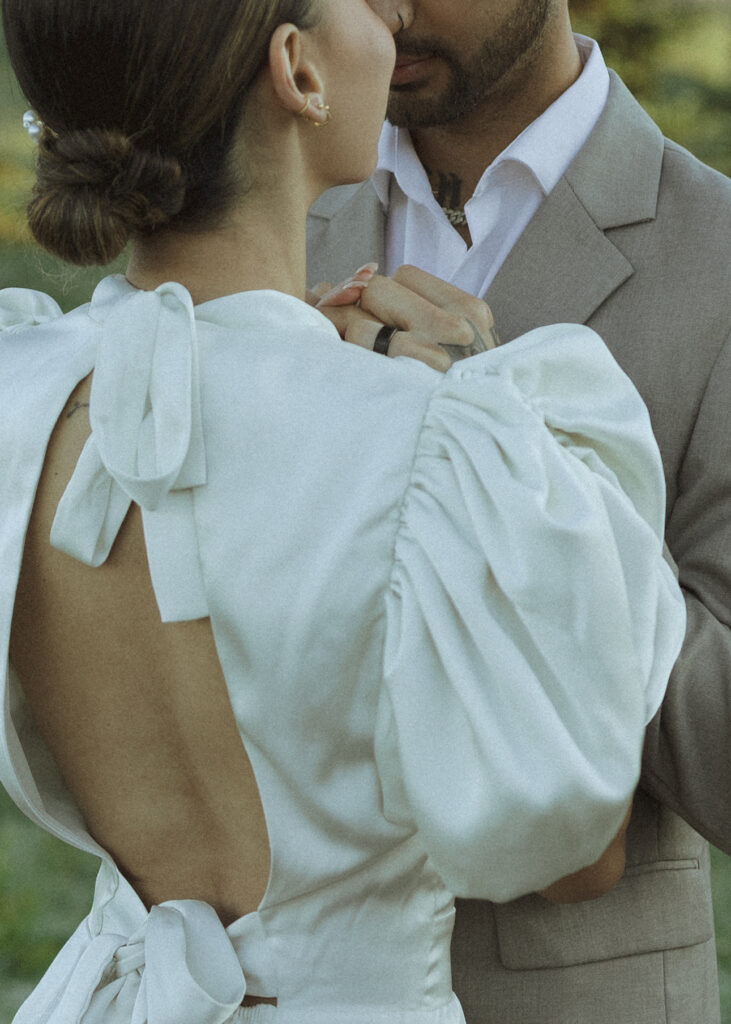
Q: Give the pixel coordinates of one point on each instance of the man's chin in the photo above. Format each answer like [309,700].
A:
[426,103]
[411,111]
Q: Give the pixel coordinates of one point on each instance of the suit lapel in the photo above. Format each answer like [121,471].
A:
[565,265]
[559,271]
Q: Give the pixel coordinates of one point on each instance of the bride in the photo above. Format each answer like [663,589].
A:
[298,639]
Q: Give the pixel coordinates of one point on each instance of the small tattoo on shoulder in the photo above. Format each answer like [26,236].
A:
[75,408]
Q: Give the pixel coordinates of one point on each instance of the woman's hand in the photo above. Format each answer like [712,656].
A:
[595,880]
[435,322]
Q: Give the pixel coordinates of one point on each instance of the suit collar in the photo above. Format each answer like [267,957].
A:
[560,270]
[616,174]
[564,266]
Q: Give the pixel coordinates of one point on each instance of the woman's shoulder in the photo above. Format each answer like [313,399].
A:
[44,353]
[33,327]
[25,307]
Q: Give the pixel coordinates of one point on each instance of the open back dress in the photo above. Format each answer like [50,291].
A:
[441,609]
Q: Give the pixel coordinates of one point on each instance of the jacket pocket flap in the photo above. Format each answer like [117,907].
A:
[654,907]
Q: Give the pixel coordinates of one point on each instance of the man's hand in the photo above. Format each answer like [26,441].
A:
[435,321]
[598,878]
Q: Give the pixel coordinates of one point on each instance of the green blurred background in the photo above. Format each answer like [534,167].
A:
[675,55]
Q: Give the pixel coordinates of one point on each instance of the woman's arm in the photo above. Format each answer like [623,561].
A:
[596,879]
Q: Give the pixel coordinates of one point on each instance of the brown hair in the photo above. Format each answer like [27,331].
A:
[139,101]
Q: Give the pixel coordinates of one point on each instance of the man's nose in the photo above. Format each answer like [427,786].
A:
[397,14]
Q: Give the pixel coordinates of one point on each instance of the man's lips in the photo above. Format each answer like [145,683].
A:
[410,68]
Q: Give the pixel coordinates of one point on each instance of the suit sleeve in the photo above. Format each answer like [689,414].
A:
[687,758]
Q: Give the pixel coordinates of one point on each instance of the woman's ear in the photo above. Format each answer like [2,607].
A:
[295,78]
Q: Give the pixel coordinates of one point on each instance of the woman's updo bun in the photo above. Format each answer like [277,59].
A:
[141,103]
[96,189]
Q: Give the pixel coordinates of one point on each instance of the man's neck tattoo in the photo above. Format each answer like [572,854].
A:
[448,193]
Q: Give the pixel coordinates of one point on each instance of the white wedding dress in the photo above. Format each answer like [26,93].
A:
[440,605]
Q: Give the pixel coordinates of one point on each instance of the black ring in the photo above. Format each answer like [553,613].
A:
[384,338]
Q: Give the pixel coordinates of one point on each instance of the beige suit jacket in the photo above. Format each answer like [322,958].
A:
[634,241]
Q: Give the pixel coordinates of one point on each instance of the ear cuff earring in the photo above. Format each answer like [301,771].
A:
[323,107]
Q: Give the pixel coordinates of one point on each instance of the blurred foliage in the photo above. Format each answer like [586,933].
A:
[721,875]
[46,888]
[675,56]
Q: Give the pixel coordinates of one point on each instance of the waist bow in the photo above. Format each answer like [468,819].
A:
[178,968]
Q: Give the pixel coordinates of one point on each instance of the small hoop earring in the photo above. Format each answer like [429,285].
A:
[318,106]
[328,116]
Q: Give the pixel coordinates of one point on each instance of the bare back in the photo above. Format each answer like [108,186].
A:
[136,712]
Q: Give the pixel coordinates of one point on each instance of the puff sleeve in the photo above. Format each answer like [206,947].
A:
[22,307]
[531,619]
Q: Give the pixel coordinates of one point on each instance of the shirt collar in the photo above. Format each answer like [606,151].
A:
[397,160]
[546,147]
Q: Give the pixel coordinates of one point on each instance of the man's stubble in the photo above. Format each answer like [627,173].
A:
[472,78]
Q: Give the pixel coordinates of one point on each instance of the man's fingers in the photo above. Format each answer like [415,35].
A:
[452,300]
[420,348]
[390,302]
[447,296]
[437,323]
[347,321]
[363,331]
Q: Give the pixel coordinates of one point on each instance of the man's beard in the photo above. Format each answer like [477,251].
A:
[473,79]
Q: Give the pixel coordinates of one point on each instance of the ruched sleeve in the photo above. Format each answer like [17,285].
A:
[532,621]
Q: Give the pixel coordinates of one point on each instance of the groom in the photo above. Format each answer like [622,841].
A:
[518,168]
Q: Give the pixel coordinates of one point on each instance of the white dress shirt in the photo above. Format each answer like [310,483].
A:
[507,196]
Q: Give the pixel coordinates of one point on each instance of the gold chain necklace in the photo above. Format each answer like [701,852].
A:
[455,217]
[453,212]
